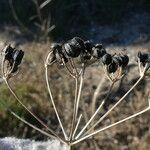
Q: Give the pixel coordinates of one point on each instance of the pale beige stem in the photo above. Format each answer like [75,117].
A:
[76,128]
[79,93]
[52,100]
[93,116]
[39,120]
[112,125]
[106,114]
[74,110]
[96,112]
[96,93]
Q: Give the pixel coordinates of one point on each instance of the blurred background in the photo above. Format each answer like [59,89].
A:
[34,24]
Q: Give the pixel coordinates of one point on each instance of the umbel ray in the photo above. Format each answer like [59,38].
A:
[75,56]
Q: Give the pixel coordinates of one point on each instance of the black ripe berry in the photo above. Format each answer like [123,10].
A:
[88,46]
[98,51]
[112,67]
[72,50]
[78,43]
[118,60]
[144,58]
[106,59]
[125,60]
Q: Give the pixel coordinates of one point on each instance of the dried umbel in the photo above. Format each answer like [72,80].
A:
[13,58]
[114,65]
[143,58]
[74,47]
[66,55]
[107,59]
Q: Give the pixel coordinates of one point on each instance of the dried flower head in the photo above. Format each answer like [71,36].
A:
[74,47]
[13,57]
[144,58]
[88,46]
[106,59]
[57,54]
[98,51]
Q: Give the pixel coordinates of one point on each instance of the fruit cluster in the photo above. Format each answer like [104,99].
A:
[87,50]
[143,58]
[74,48]
[14,57]
[115,61]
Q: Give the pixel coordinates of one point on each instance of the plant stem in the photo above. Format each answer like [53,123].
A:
[29,124]
[52,100]
[96,112]
[75,130]
[74,111]
[83,129]
[95,95]
[112,125]
[39,120]
[17,19]
[69,147]
[79,93]
[106,114]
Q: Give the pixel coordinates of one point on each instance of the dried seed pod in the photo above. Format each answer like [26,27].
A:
[112,67]
[72,50]
[56,46]
[78,43]
[58,53]
[117,59]
[100,46]
[125,60]
[17,56]
[86,56]
[60,57]
[98,53]
[9,53]
[14,57]
[88,46]
[106,59]
[144,58]
[15,68]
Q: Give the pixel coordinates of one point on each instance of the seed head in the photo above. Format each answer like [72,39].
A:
[88,46]
[106,59]
[144,58]
[13,57]
[112,67]
[98,51]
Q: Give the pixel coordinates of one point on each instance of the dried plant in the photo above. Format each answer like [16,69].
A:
[75,56]
[41,23]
